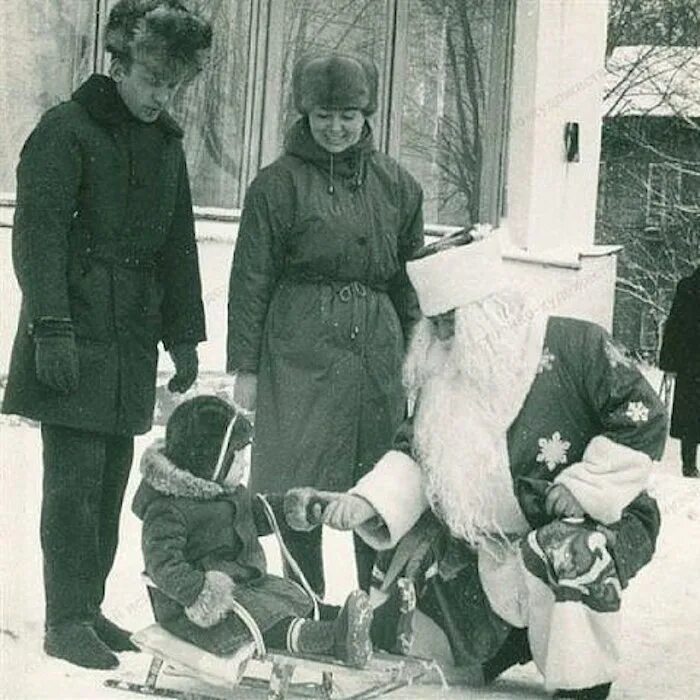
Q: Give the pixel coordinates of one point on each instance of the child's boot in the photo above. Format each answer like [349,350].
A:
[347,637]
[351,633]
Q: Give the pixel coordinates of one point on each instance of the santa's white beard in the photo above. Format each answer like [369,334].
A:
[469,391]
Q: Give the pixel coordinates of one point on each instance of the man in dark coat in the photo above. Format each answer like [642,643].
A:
[680,354]
[105,255]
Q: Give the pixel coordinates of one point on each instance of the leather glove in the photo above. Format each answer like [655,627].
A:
[56,354]
[184,357]
[245,390]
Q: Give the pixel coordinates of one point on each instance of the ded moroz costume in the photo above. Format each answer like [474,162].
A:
[520,478]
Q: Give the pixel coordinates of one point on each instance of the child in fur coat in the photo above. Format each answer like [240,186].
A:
[201,549]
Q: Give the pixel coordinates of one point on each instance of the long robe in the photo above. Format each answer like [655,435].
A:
[319,303]
[680,353]
[591,422]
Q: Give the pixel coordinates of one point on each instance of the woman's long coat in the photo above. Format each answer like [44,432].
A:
[680,353]
[103,235]
[319,305]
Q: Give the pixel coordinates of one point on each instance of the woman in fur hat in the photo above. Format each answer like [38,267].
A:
[319,301]
[201,549]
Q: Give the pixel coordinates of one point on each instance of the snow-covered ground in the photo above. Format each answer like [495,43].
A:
[662,605]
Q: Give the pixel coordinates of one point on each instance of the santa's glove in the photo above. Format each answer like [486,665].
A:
[303,508]
[214,601]
[56,354]
[184,357]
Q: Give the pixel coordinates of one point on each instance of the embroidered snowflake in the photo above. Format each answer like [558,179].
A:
[637,412]
[553,451]
[616,356]
[546,361]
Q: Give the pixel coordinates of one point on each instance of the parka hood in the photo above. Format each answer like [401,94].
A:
[99,96]
[348,166]
[162,478]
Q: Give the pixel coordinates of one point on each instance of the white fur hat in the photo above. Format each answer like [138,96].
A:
[455,271]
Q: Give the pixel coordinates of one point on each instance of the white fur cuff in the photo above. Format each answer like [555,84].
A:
[607,479]
[214,601]
[396,491]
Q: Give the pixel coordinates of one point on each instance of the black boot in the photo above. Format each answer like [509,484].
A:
[689,458]
[691,472]
[595,692]
[346,638]
[392,624]
[78,643]
[112,635]
[515,650]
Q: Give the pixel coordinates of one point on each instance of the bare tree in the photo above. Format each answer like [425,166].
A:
[653,70]
[455,144]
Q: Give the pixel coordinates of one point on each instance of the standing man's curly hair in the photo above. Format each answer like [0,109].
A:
[160,32]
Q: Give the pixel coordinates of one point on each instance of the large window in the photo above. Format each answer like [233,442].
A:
[46,50]
[443,64]
[300,27]
[444,102]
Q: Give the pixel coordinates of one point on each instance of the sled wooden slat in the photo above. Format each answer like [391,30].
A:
[383,673]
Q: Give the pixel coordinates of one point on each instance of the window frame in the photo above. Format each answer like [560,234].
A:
[263,102]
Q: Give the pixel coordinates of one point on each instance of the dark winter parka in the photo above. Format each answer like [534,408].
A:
[103,235]
[680,353]
[319,303]
[192,526]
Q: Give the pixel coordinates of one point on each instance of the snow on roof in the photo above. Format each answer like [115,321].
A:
[659,81]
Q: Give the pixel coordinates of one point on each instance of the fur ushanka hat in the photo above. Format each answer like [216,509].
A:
[163,34]
[335,81]
[196,432]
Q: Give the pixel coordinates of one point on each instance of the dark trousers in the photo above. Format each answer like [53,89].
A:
[85,475]
[306,548]
[689,456]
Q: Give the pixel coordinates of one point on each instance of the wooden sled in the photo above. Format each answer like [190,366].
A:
[383,674]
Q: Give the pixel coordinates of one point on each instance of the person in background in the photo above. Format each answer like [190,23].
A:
[680,355]
[517,490]
[105,255]
[202,553]
[319,302]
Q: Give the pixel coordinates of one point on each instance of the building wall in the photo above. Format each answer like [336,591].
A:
[550,209]
[633,205]
[558,77]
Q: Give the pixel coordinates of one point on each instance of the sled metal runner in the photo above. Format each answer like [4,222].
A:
[384,674]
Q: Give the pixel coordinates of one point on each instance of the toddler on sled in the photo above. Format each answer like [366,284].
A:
[200,545]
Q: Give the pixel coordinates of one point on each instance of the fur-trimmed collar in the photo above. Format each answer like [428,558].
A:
[161,474]
[99,96]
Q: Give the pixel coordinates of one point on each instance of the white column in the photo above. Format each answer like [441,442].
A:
[558,76]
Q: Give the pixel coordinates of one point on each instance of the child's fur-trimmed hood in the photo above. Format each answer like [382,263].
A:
[167,479]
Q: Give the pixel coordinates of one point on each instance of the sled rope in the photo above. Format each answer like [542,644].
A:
[252,626]
[288,555]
